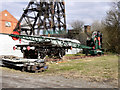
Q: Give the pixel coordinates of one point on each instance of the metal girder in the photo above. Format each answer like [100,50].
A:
[55,41]
[42,15]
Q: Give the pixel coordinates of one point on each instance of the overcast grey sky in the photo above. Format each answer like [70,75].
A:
[85,10]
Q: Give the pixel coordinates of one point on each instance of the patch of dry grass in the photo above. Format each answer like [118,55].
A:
[103,68]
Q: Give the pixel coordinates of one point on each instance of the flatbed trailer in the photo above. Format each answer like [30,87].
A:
[42,49]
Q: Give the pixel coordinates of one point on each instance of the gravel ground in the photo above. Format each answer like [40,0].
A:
[18,79]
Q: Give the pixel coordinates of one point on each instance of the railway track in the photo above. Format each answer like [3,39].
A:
[69,58]
[81,57]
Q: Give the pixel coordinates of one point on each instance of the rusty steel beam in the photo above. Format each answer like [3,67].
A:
[42,15]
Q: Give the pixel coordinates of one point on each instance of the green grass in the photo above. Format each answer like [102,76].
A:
[96,68]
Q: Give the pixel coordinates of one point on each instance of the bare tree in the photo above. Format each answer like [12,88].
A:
[96,26]
[111,30]
[77,25]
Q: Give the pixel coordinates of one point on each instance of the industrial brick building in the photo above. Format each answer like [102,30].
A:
[7,22]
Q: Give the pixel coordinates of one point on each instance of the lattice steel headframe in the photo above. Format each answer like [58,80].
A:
[42,15]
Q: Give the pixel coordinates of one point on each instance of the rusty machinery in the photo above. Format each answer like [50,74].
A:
[47,15]
[42,15]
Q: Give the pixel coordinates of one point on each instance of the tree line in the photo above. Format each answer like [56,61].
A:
[109,26]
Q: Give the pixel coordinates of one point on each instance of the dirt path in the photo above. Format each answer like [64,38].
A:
[18,79]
